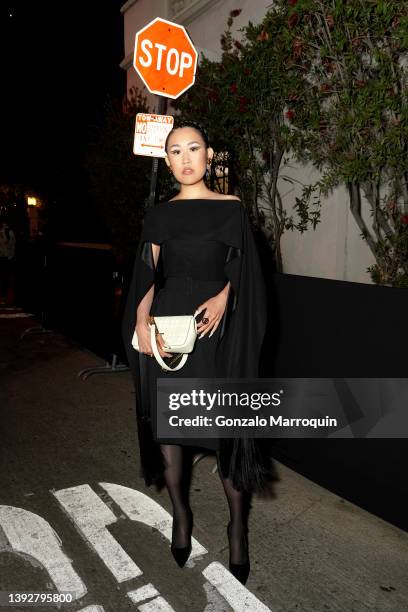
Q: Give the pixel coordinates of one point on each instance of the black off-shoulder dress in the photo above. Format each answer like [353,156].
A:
[204,244]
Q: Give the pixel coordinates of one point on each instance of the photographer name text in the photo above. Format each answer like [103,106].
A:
[256,421]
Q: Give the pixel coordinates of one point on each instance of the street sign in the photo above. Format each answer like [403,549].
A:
[151,133]
[165,58]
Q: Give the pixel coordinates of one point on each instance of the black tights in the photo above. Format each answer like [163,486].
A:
[177,475]
[177,481]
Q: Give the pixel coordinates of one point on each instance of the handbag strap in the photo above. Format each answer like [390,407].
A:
[157,355]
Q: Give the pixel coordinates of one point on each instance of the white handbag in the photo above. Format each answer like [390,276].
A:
[179,333]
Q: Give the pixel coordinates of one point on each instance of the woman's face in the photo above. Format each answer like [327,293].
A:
[187,155]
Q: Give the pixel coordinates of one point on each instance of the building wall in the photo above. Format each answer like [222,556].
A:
[335,249]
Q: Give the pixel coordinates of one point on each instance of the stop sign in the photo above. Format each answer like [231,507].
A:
[165,58]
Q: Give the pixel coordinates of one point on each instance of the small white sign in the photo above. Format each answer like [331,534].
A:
[151,133]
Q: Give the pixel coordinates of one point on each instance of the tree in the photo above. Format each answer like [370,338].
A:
[350,115]
[241,100]
[324,81]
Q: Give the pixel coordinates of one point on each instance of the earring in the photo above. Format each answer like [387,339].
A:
[207,170]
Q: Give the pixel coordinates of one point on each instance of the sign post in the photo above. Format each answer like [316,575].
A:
[166,61]
[155,162]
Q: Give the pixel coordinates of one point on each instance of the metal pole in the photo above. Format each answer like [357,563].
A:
[155,163]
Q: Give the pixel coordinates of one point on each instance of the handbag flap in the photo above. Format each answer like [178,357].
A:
[176,330]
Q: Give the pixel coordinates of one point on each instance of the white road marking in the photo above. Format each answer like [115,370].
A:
[91,516]
[29,534]
[156,605]
[234,593]
[26,533]
[144,592]
[139,507]
[215,601]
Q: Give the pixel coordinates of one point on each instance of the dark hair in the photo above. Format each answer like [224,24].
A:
[191,124]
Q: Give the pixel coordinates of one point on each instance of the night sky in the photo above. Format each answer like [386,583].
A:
[59,66]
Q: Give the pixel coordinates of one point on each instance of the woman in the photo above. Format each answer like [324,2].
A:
[200,243]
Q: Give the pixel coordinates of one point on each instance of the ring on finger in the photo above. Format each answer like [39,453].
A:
[205,320]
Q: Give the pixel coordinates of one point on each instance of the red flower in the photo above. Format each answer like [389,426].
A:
[292,2]
[263,36]
[243,104]
[290,114]
[293,20]
[235,12]
[404,219]
[233,88]
[237,44]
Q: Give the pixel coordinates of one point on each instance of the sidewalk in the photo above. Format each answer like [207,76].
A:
[62,437]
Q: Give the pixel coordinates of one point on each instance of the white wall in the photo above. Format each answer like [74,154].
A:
[335,249]
[207,29]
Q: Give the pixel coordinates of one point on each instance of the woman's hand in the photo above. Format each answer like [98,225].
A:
[145,346]
[214,309]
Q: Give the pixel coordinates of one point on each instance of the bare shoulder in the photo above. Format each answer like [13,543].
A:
[230,197]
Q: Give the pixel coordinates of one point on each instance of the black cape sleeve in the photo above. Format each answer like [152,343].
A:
[144,275]
[244,324]
[245,460]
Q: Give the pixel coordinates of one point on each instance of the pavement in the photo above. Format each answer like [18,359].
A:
[76,519]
